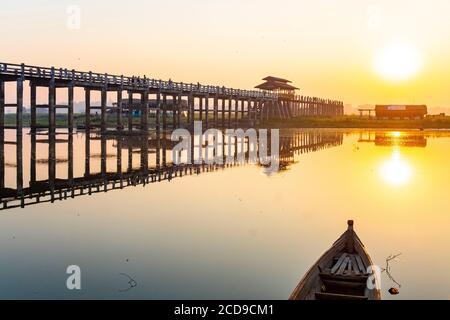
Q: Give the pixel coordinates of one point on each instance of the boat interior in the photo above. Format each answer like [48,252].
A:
[340,274]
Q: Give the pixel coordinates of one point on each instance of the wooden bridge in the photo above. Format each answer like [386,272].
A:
[215,106]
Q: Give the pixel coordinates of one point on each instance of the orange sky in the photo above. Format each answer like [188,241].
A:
[327,48]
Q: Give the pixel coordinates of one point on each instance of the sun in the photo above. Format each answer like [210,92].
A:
[398,62]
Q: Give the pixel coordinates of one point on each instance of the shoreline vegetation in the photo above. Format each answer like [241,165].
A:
[360,123]
[343,122]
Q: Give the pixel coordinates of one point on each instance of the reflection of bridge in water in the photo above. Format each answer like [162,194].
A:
[124,161]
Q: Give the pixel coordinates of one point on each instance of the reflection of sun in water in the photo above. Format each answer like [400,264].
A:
[396,171]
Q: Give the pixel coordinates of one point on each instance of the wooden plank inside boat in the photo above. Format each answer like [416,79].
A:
[338,263]
[354,264]
[360,264]
[343,265]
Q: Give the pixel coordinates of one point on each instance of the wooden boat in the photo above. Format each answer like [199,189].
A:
[340,274]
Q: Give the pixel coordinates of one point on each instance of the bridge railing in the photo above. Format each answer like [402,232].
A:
[29,71]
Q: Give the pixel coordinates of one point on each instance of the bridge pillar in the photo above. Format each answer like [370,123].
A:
[236,111]
[33,107]
[103,98]
[179,109]
[70,109]
[119,110]
[230,99]
[164,113]
[130,111]
[200,106]
[207,111]
[144,111]
[216,110]
[222,104]
[174,111]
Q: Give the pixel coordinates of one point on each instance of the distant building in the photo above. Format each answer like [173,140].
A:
[400,111]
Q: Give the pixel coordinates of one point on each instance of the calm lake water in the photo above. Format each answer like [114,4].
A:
[231,233]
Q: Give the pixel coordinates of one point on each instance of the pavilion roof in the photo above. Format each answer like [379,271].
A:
[276,79]
[274,85]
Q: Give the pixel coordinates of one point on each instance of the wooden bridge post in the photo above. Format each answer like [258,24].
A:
[103,108]
[144,111]
[70,111]
[207,111]
[236,111]
[174,111]
[229,111]
[164,149]
[216,110]
[310,107]
[260,110]
[318,107]
[179,109]
[87,99]
[158,112]
[223,102]
[300,106]
[33,107]
[200,106]
[164,113]
[130,110]
[294,107]
[191,103]
[307,107]
[52,103]
[119,109]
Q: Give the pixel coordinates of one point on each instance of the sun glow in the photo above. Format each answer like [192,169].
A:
[396,171]
[398,62]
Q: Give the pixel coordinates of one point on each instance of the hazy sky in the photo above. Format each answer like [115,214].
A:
[327,48]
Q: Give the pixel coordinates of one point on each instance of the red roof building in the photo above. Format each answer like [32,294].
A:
[400,111]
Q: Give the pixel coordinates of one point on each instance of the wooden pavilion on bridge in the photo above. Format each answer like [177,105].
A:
[278,85]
